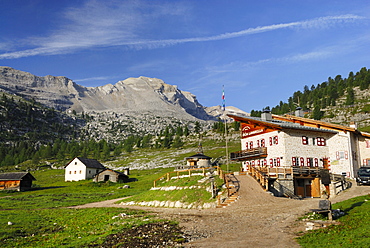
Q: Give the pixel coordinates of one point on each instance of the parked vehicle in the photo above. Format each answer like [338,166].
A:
[363,176]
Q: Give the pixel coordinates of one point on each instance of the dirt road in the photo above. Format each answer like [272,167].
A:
[257,219]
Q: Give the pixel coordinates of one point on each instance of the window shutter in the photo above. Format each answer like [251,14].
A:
[302,161]
[278,162]
[337,155]
[262,142]
[316,162]
[304,140]
[270,141]
[293,161]
[308,162]
[251,145]
[258,143]
[271,162]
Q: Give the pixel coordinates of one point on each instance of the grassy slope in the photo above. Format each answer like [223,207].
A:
[354,230]
[40,219]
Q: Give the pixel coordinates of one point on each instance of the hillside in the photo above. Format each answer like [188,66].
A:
[337,100]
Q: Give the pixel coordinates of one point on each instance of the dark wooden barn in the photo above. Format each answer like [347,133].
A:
[19,181]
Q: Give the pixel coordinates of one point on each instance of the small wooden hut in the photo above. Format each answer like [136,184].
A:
[19,181]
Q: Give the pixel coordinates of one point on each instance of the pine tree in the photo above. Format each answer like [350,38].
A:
[350,100]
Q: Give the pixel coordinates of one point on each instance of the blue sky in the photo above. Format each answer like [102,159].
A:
[261,51]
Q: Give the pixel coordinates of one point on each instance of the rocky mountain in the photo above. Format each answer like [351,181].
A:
[133,95]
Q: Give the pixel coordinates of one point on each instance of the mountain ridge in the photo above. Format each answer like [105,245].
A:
[142,94]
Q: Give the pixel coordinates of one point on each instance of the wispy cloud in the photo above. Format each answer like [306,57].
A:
[94,79]
[117,23]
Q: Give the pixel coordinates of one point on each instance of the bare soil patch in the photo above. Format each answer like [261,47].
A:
[257,219]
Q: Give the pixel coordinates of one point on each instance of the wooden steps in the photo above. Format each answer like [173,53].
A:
[228,201]
[233,186]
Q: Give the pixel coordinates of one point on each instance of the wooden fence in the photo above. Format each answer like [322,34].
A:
[189,173]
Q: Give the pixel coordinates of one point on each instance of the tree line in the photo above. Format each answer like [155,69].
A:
[316,98]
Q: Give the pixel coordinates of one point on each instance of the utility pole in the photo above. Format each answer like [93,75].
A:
[225,121]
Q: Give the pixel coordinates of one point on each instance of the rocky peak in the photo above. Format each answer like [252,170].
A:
[135,95]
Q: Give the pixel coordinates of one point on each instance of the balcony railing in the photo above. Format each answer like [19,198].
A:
[259,152]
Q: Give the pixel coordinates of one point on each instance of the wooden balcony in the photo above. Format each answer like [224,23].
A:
[255,153]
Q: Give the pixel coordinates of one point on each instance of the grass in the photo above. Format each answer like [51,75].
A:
[40,218]
[354,230]
[52,192]
[66,227]
[198,196]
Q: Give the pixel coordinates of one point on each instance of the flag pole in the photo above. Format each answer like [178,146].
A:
[224,113]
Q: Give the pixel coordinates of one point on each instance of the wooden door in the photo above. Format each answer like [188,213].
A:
[315,189]
[308,190]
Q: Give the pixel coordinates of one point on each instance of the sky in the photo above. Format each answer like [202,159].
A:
[259,52]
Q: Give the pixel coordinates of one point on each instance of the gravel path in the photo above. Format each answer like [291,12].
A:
[257,219]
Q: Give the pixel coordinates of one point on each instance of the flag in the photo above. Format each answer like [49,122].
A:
[223,98]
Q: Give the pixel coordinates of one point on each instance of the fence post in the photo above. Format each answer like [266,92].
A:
[168,176]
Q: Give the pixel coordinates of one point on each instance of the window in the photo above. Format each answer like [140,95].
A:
[309,162]
[258,162]
[251,145]
[89,171]
[316,162]
[321,141]
[301,161]
[246,145]
[75,172]
[274,140]
[75,163]
[293,161]
[80,171]
[70,172]
[258,143]
[262,142]
[342,155]
[304,140]
[271,162]
[277,161]
[265,162]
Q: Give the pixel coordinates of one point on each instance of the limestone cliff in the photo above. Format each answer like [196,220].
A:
[133,95]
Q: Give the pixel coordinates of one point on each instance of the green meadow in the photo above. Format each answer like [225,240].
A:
[353,230]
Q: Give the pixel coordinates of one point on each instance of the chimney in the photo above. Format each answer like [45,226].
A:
[353,124]
[266,115]
[299,112]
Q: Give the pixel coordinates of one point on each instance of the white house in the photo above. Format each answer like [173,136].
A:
[82,168]
[292,152]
